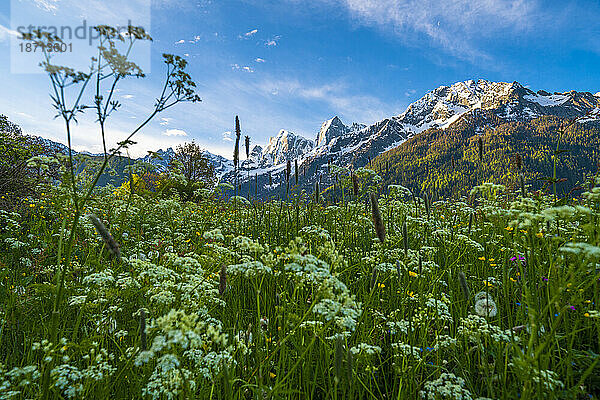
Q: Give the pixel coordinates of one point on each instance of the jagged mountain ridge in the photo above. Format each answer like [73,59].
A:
[280,148]
[354,145]
[221,164]
[160,158]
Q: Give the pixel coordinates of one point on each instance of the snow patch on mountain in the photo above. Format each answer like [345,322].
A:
[547,100]
[592,116]
[330,129]
[284,146]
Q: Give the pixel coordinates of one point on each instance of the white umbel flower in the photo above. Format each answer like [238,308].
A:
[485,305]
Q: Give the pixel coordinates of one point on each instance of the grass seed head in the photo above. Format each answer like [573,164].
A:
[470,222]
[317,192]
[354,184]
[349,367]
[110,242]
[373,278]
[236,148]
[405,239]
[462,279]
[377,220]
[247,142]
[222,280]
[296,170]
[142,329]
[338,358]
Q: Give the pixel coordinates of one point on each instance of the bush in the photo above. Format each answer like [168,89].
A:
[17,177]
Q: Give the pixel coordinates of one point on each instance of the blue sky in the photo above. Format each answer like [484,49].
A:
[291,64]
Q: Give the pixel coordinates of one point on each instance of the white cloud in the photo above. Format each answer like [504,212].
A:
[259,60]
[453,25]
[361,108]
[165,121]
[24,115]
[5,33]
[227,136]
[410,92]
[175,132]
[128,96]
[47,5]
[273,41]
[241,67]
[251,33]
[180,41]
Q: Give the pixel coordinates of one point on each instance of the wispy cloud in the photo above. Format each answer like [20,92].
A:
[6,33]
[24,115]
[165,121]
[241,67]
[337,97]
[454,25]
[180,41]
[47,5]
[227,136]
[175,132]
[249,34]
[259,60]
[273,41]
[128,96]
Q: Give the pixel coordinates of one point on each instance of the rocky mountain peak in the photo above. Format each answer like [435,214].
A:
[284,146]
[330,129]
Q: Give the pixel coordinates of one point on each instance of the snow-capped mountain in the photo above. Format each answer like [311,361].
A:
[509,101]
[282,147]
[51,146]
[222,165]
[160,158]
[353,145]
[479,102]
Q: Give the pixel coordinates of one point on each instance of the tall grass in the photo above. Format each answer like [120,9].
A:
[282,304]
